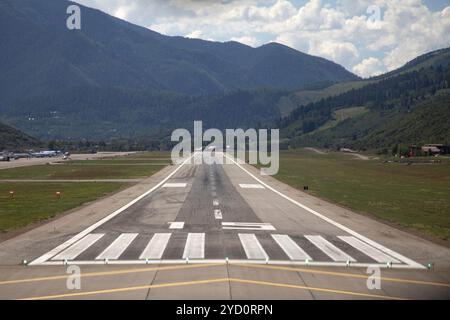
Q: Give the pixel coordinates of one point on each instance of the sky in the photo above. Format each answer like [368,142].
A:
[368,37]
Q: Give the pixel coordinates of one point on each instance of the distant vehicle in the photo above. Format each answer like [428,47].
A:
[17,156]
[45,154]
[4,158]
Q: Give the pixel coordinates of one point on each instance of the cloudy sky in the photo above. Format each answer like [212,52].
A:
[367,37]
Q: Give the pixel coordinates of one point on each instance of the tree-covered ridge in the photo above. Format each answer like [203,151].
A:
[390,102]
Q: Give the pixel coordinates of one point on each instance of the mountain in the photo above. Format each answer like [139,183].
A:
[410,105]
[41,56]
[13,139]
[308,95]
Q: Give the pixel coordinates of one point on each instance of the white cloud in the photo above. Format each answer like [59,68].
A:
[368,67]
[338,31]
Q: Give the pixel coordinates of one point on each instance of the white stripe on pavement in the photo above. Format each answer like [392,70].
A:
[176,225]
[174,185]
[252,247]
[195,246]
[218,214]
[156,246]
[329,249]
[292,250]
[79,247]
[115,249]
[250,186]
[247,226]
[375,254]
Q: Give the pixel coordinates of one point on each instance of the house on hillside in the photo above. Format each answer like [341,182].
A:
[434,149]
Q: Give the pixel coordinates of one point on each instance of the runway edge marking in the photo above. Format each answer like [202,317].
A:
[388,251]
[88,230]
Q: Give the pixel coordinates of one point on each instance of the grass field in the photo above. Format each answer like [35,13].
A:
[83,170]
[415,196]
[35,202]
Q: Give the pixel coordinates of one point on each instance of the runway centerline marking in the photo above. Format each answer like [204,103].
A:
[409,262]
[218,214]
[176,225]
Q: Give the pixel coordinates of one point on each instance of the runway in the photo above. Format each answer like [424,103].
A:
[224,232]
[207,216]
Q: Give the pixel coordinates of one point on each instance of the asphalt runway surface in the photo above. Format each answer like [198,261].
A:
[228,233]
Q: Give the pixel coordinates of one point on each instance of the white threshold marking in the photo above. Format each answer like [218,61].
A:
[176,225]
[329,249]
[88,230]
[252,247]
[218,214]
[292,249]
[78,248]
[375,254]
[250,186]
[174,185]
[115,249]
[195,246]
[409,262]
[247,226]
[156,247]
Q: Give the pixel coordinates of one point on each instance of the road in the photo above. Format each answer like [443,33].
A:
[225,232]
[39,161]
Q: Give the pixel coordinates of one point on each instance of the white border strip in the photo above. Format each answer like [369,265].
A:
[88,230]
[388,251]
[230,261]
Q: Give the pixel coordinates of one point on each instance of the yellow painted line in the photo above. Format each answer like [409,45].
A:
[342,274]
[153,286]
[335,291]
[199,282]
[112,273]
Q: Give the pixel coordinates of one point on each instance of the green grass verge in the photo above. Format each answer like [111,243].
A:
[81,171]
[35,202]
[415,196]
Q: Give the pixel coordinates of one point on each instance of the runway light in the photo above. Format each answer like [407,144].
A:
[187,260]
[146,261]
[11,194]
[24,262]
[65,262]
[306,261]
[430,265]
[267,260]
[389,264]
[348,263]
[58,194]
[106,261]
[226,260]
